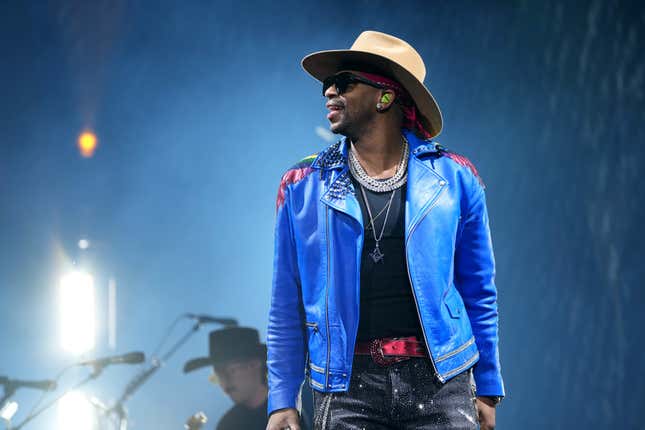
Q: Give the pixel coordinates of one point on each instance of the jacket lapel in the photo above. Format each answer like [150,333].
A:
[425,185]
[340,193]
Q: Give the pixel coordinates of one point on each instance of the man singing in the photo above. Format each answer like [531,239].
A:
[383,286]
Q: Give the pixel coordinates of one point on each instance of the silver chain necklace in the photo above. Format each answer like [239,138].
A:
[378,215]
[376,253]
[374,184]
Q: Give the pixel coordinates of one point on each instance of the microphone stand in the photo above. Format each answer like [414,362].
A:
[143,376]
[95,374]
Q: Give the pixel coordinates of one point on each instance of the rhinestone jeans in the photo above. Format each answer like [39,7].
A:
[404,395]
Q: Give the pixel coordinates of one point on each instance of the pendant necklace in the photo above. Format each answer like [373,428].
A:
[376,253]
[378,215]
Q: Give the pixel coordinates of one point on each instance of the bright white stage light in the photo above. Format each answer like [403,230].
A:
[8,411]
[75,412]
[77,312]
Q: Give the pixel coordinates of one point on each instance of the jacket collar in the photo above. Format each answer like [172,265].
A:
[340,194]
[428,183]
[420,147]
[335,156]
[339,191]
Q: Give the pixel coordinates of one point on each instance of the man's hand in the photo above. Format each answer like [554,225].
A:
[486,412]
[284,419]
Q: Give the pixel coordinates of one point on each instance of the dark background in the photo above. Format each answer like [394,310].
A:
[200,106]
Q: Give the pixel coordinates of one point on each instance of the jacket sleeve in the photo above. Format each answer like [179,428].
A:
[285,333]
[475,280]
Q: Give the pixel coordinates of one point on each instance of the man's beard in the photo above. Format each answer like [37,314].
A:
[347,125]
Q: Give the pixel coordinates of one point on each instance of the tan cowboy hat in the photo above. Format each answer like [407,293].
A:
[382,53]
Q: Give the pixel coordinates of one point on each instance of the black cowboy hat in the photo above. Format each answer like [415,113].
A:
[227,345]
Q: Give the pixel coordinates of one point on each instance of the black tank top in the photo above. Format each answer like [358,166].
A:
[387,306]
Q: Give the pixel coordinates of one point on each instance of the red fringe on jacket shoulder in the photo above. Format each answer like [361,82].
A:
[460,159]
[291,177]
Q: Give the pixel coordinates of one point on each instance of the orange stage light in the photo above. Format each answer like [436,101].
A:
[87,143]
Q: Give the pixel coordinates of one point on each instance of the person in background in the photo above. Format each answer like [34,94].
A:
[238,360]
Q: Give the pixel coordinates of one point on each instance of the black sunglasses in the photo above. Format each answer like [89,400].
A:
[343,79]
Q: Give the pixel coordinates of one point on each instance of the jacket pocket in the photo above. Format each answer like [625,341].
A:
[454,303]
[316,345]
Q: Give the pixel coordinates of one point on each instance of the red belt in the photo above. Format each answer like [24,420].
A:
[391,349]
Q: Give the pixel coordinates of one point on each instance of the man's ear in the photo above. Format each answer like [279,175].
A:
[387,98]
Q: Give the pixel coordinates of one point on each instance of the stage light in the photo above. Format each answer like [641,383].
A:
[75,412]
[87,143]
[77,312]
[8,411]
[83,244]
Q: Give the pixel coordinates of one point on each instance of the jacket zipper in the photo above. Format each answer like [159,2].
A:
[456,351]
[414,294]
[470,361]
[327,297]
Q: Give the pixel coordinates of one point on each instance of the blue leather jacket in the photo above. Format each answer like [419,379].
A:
[314,313]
